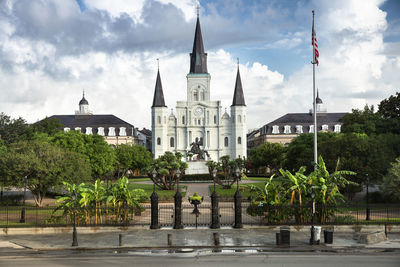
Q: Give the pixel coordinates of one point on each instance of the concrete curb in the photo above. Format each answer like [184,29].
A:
[105,229]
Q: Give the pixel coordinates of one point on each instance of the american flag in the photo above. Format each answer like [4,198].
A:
[314,44]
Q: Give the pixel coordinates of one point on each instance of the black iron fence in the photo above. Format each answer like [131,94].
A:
[11,216]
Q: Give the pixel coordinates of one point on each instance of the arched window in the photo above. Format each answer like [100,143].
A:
[195,96]
[202,96]
[215,119]
[239,140]
[159,119]
[201,141]
[197,139]
[171,142]
[239,118]
[226,141]
[183,119]
[159,141]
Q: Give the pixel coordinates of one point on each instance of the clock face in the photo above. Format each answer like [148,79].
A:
[198,111]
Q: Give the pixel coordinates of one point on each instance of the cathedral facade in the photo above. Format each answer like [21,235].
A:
[199,119]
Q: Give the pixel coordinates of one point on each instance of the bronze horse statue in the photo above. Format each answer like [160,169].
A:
[196,150]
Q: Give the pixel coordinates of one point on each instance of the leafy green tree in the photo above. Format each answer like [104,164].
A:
[132,158]
[390,108]
[391,182]
[45,166]
[48,126]
[361,121]
[268,155]
[14,130]
[98,153]
[166,167]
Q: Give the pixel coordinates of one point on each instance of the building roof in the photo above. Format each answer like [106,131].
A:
[198,59]
[158,100]
[83,101]
[238,96]
[318,100]
[305,120]
[83,121]
[146,132]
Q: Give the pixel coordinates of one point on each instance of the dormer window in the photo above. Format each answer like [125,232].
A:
[78,129]
[275,129]
[287,129]
[311,130]
[338,128]
[122,131]
[66,129]
[89,130]
[299,129]
[325,127]
[100,131]
[111,131]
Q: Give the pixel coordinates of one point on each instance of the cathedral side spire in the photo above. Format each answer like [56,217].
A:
[238,96]
[198,59]
[158,100]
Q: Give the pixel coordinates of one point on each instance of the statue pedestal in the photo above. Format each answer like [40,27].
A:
[196,167]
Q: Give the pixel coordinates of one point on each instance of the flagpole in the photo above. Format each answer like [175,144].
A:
[314,96]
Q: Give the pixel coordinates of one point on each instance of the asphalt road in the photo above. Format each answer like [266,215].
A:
[204,259]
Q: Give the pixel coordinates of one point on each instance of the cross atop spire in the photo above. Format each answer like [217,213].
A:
[198,10]
[158,64]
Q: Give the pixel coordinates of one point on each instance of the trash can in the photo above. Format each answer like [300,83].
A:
[317,234]
[328,236]
[285,235]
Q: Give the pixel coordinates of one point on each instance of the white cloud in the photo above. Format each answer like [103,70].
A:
[45,67]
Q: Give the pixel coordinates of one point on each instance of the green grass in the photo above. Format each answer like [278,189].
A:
[258,178]
[163,195]
[228,193]
[135,180]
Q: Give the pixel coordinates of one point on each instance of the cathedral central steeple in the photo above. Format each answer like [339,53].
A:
[198,59]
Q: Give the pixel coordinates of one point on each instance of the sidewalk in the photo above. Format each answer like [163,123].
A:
[145,239]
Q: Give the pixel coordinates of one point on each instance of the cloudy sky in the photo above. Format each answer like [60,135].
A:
[50,50]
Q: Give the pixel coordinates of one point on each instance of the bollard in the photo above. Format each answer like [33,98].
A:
[328,236]
[169,239]
[121,240]
[216,239]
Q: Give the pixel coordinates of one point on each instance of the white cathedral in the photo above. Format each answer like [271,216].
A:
[199,119]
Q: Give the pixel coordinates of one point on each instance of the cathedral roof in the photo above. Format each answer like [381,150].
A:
[158,100]
[238,96]
[198,59]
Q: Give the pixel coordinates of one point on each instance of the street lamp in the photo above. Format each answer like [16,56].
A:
[214,175]
[367,211]
[22,220]
[237,174]
[178,174]
[312,216]
[154,175]
[74,233]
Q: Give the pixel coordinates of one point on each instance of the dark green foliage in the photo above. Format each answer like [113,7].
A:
[390,108]
[268,155]
[47,126]
[14,130]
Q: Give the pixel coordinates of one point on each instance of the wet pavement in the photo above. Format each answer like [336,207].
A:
[144,239]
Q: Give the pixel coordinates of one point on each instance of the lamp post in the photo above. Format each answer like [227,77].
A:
[312,216]
[238,202]
[154,204]
[22,220]
[178,204]
[74,233]
[214,205]
[367,208]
